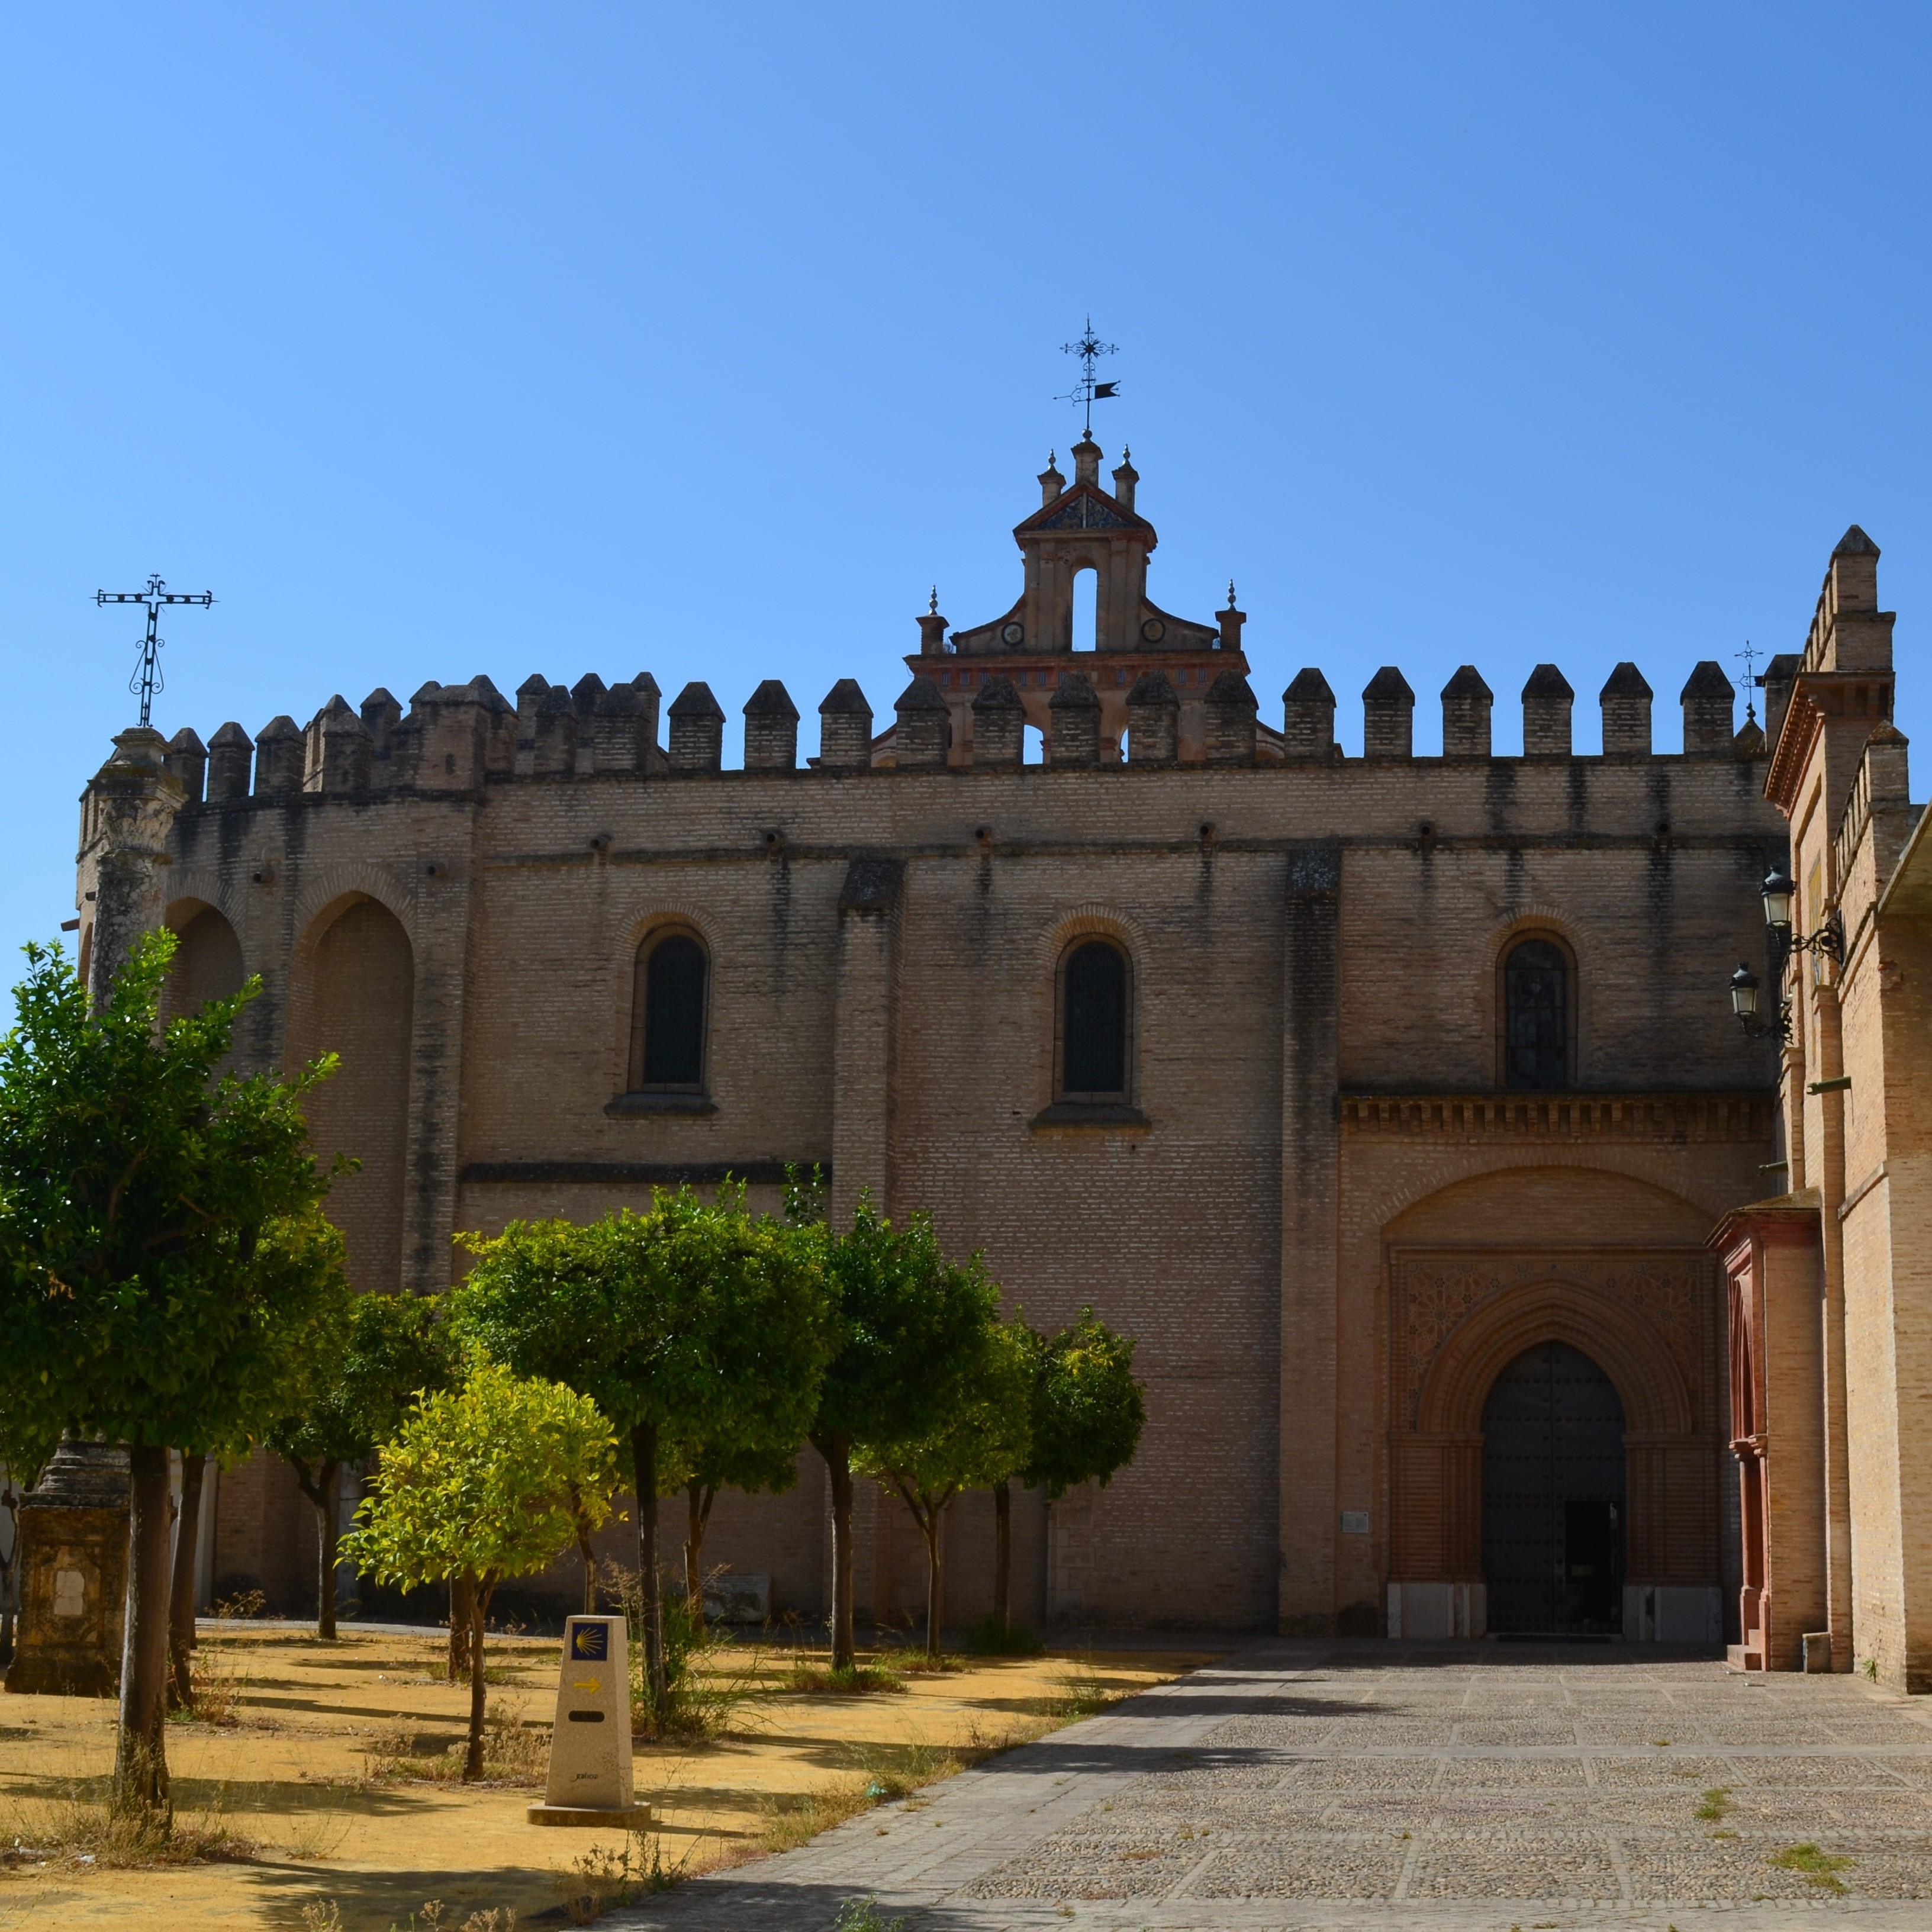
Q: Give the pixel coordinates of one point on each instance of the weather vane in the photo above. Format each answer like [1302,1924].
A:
[1748,681]
[147,679]
[1087,392]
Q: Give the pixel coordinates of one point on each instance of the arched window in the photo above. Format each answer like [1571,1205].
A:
[667,1014]
[1536,1016]
[1093,1023]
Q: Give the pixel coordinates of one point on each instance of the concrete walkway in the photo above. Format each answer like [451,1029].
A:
[1359,1785]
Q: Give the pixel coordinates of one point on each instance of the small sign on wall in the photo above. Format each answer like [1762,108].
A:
[1354,1522]
[590,1781]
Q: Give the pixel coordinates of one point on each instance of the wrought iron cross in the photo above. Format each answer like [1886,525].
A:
[148,679]
[1748,681]
[1089,348]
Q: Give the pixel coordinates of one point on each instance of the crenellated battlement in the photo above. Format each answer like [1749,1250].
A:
[459,737]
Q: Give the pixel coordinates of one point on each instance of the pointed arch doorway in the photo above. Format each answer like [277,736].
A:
[1553,1505]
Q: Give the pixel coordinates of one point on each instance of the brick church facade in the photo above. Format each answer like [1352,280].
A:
[1391,1101]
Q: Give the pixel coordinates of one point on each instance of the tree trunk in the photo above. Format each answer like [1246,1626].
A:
[322,1490]
[462,1598]
[478,1596]
[933,1522]
[644,1465]
[181,1596]
[590,1556]
[326,1534]
[837,1451]
[698,1498]
[1003,1557]
[10,1500]
[140,1758]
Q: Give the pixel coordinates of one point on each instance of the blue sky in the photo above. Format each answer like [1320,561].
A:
[437,339]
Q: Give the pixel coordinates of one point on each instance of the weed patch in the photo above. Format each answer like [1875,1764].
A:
[1717,1803]
[1084,1694]
[433,1917]
[1820,1867]
[861,1915]
[789,1821]
[849,1680]
[603,1880]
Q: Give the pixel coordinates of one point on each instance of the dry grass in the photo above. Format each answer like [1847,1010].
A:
[603,1879]
[1084,1693]
[514,1752]
[218,1686]
[80,1828]
[433,1917]
[332,1737]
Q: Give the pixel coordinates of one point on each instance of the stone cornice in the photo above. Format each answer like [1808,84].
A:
[1582,1118]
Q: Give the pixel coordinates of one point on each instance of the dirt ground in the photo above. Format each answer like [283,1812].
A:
[300,1770]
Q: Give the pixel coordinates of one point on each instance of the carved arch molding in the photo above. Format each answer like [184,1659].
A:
[1648,1317]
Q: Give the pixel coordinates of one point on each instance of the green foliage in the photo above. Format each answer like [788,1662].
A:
[352,1386]
[910,1327]
[693,1327]
[978,1410]
[159,1241]
[1087,1408]
[701,1321]
[484,1480]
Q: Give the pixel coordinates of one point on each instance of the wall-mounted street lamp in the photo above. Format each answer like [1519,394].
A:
[1777,892]
[1747,1002]
[1746,994]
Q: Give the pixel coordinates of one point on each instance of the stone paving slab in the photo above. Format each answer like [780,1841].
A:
[1351,1786]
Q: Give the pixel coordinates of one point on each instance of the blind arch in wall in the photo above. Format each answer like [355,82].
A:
[361,1004]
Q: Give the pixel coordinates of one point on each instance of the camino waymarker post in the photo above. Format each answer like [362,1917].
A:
[590,1781]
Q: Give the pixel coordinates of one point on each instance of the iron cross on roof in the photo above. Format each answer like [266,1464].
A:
[147,679]
[1087,392]
[1749,681]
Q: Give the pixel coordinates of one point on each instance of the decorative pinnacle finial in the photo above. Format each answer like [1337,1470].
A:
[933,607]
[1127,452]
[1230,593]
[1085,393]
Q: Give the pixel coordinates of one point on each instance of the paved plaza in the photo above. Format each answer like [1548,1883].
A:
[1365,1784]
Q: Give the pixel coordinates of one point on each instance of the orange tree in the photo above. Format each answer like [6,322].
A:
[908,1328]
[485,1482]
[693,1322]
[141,1188]
[1087,1414]
[347,1393]
[978,1430]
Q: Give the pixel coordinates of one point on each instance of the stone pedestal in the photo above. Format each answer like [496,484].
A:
[72,1557]
[589,1782]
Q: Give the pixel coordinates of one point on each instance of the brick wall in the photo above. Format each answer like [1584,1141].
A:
[1293,931]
